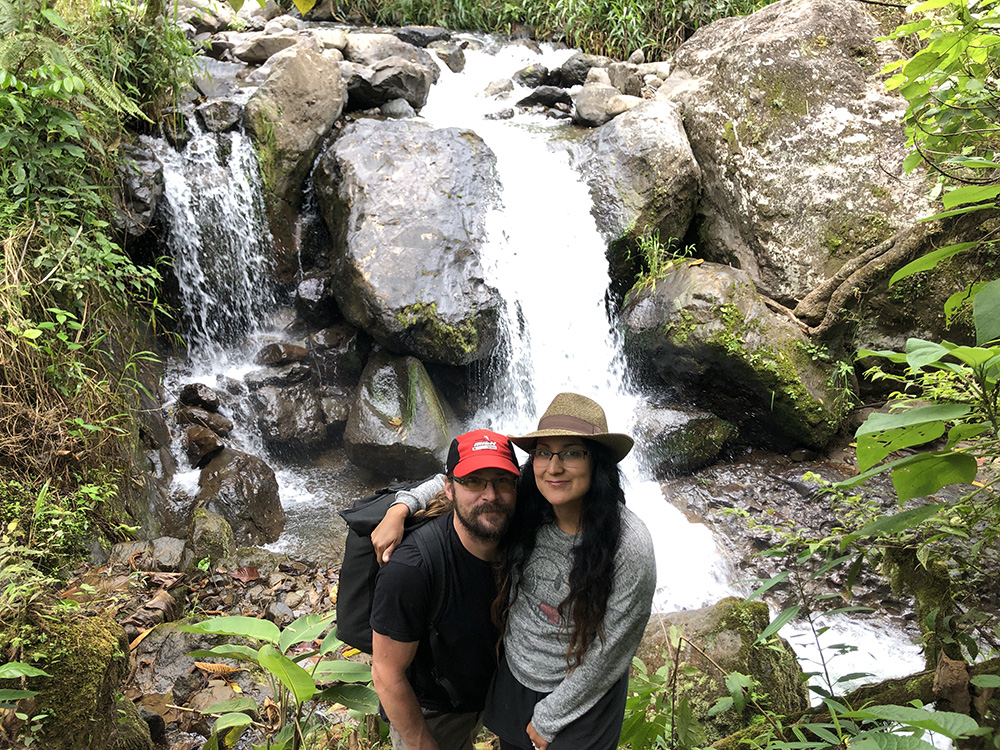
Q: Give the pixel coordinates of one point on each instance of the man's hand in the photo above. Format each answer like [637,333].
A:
[536,739]
[389,533]
[389,662]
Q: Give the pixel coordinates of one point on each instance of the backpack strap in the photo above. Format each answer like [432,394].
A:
[433,543]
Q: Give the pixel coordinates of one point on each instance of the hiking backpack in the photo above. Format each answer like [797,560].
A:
[360,566]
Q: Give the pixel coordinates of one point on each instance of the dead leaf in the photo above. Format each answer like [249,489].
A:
[138,639]
[246,574]
[219,670]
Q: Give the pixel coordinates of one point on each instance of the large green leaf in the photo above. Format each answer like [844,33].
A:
[926,473]
[14,669]
[930,260]
[292,676]
[226,721]
[975,356]
[785,617]
[886,741]
[243,703]
[920,353]
[970,194]
[7,694]
[306,628]
[359,697]
[986,312]
[227,651]
[248,627]
[330,643]
[341,670]
[897,522]
[881,434]
[952,725]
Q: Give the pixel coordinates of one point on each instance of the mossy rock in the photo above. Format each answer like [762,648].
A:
[726,637]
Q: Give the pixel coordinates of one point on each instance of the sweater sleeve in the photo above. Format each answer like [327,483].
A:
[417,497]
[607,659]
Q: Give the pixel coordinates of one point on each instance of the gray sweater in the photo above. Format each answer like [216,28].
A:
[536,642]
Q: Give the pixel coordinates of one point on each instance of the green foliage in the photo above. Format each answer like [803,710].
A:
[297,688]
[607,27]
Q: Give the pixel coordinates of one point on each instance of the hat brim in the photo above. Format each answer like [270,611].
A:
[476,463]
[619,444]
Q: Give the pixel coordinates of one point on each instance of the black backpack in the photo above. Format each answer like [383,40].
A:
[360,566]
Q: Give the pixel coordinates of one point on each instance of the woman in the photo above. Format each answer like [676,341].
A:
[576,585]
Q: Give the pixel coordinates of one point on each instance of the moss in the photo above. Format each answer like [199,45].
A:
[420,388]
[132,732]
[848,235]
[425,325]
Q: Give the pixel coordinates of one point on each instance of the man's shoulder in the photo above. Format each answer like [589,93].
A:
[424,536]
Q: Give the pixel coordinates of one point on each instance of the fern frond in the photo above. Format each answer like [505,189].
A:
[104,91]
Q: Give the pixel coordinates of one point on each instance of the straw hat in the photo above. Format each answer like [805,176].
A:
[571,414]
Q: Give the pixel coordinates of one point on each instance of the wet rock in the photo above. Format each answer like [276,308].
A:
[386,80]
[257,48]
[291,418]
[369,49]
[219,424]
[679,440]
[398,109]
[199,395]
[625,77]
[200,445]
[339,354]
[427,221]
[591,104]
[211,538]
[546,96]
[286,375]
[574,71]
[216,79]
[452,54]
[398,424]
[422,36]
[143,188]
[280,353]
[167,553]
[279,613]
[315,301]
[243,490]
[704,328]
[220,115]
[644,180]
[499,88]
[157,726]
[532,76]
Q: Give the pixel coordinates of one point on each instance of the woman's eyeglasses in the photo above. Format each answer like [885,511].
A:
[478,484]
[569,457]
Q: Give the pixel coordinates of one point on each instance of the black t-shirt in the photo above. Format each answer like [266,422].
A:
[402,609]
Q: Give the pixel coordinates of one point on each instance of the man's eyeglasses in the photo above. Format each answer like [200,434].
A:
[569,457]
[506,483]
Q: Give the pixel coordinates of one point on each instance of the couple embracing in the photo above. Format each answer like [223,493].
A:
[547,556]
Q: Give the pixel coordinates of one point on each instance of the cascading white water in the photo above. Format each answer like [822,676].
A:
[548,260]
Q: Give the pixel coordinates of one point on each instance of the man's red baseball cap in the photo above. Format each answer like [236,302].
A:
[481,449]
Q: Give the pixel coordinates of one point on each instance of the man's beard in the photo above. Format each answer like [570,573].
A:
[475,525]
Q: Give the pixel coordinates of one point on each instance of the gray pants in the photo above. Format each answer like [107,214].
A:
[453,731]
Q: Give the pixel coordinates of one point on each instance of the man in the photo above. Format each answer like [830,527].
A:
[432,672]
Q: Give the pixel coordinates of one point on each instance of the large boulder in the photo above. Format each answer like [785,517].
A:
[291,418]
[385,81]
[800,145]
[642,174]
[243,490]
[677,440]
[399,425]
[704,328]
[407,207]
[288,118]
[368,49]
[720,639]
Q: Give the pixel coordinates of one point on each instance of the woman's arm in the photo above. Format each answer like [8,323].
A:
[606,659]
[389,533]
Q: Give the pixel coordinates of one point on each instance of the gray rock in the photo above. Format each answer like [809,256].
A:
[200,395]
[637,58]
[532,76]
[642,174]
[625,78]
[258,47]
[280,353]
[499,88]
[219,424]
[242,489]
[368,49]
[574,71]
[330,38]
[452,54]
[339,354]
[546,96]
[200,444]
[142,180]
[622,103]
[219,115]
[397,109]
[168,553]
[675,440]
[423,36]
[205,15]
[399,425]
[407,248]
[314,299]
[703,328]
[591,104]
[291,418]
[210,538]
[294,372]
[800,144]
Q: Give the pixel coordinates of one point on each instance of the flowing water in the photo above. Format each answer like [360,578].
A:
[546,257]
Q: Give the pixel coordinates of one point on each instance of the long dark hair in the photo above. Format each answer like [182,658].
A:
[592,574]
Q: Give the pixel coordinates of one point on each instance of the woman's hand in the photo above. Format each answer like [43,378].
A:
[536,740]
[389,533]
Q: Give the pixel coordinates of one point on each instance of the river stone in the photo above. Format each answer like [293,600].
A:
[724,638]
[397,78]
[204,15]
[546,96]
[200,395]
[258,47]
[339,354]
[244,491]
[219,115]
[368,49]
[625,77]
[408,230]
[531,76]
[678,440]
[800,145]
[702,327]
[451,53]
[288,118]
[574,71]
[291,418]
[644,179]
[294,372]
[315,301]
[280,353]
[219,424]
[590,105]
[422,36]
[398,425]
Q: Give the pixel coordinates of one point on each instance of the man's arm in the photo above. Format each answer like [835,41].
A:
[389,662]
